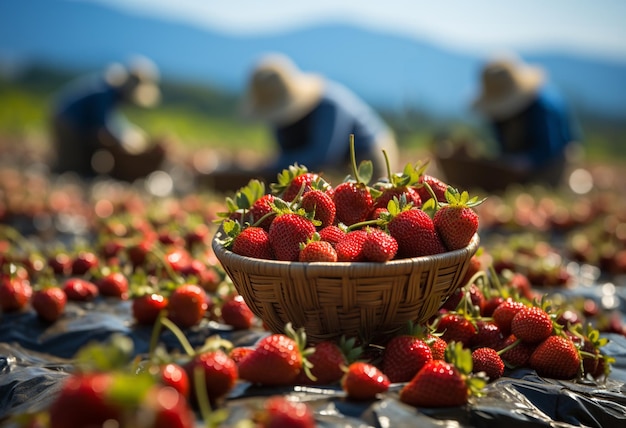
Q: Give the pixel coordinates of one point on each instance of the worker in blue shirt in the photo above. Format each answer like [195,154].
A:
[90,134]
[530,121]
[312,119]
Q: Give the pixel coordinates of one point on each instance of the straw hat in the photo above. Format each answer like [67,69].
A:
[508,86]
[279,92]
[138,81]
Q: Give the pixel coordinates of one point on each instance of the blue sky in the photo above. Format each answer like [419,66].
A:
[596,26]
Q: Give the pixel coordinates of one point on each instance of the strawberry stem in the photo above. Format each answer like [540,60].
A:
[182,339]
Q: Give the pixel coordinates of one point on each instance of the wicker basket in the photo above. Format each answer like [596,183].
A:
[368,300]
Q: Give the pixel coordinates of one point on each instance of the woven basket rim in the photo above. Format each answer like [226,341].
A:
[441,258]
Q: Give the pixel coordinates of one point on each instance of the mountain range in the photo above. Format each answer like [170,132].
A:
[390,71]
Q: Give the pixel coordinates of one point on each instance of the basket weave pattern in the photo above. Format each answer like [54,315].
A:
[356,299]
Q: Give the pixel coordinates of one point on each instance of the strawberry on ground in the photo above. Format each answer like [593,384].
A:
[404,355]
[187,305]
[15,293]
[113,284]
[489,361]
[219,370]
[146,308]
[175,376]
[328,361]
[514,352]
[276,360]
[364,381]
[80,290]
[456,327]
[556,357]
[236,313]
[280,412]
[49,303]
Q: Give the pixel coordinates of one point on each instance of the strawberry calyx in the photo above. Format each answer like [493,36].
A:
[461,358]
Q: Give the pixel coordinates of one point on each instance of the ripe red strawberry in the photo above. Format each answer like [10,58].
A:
[353,202]
[504,313]
[328,362]
[437,185]
[83,262]
[556,357]
[317,251]
[113,284]
[238,353]
[514,352]
[332,234]
[379,246]
[287,232]
[321,204]
[167,408]
[350,249]
[437,384]
[146,308]
[237,314]
[302,181]
[80,290]
[490,305]
[187,305]
[262,209]
[253,242]
[488,335]
[61,263]
[15,293]
[276,360]
[456,222]
[220,373]
[411,195]
[415,232]
[196,235]
[520,284]
[49,303]
[86,396]
[456,328]
[437,346]
[137,253]
[404,355]
[175,376]
[532,324]
[280,412]
[364,381]
[489,361]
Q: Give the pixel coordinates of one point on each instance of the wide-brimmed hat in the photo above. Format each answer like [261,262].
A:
[138,81]
[279,92]
[508,85]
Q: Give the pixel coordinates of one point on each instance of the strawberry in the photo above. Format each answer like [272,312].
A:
[404,355]
[532,324]
[15,293]
[137,253]
[488,334]
[276,360]
[83,262]
[353,202]
[196,235]
[253,242]
[437,384]
[364,381]
[556,357]
[238,353]
[175,376]
[490,305]
[437,346]
[415,232]
[293,182]
[327,364]
[489,361]
[167,408]
[262,208]
[80,290]
[86,396]
[219,370]
[438,187]
[379,246]
[61,263]
[456,222]
[113,284]
[317,251]
[321,205]
[187,305]
[287,232]
[456,327]
[521,285]
[504,313]
[350,249]
[236,313]
[146,308]
[49,303]
[280,412]
[444,383]
[332,234]
[399,185]
[514,352]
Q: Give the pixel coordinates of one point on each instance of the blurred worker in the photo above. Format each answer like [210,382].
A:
[530,122]
[312,119]
[90,134]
